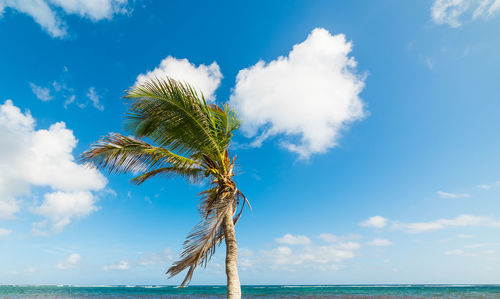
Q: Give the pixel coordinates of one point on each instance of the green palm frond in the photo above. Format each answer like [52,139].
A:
[193,175]
[118,153]
[173,116]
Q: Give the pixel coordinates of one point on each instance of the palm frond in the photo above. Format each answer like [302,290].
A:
[193,175]
[225,123]
[120,154]
[201,243]
[172,114]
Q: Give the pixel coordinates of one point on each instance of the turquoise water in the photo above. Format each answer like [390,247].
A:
[333,291]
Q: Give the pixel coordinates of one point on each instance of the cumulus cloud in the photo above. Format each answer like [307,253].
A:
[121,266]
[443,194]
[47,13]
[95,98]
[71,261]
[31,157]
[61,207]
[452,12]
[42,93]
[304,253]
[380,242]
[204,78]
[309,96]
[293,240]
[375,222]
[459,221]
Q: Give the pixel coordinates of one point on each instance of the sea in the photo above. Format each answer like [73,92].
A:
[254,291]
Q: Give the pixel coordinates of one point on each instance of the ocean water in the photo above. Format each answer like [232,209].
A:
[329,291]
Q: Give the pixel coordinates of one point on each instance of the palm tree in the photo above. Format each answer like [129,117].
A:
[189,138]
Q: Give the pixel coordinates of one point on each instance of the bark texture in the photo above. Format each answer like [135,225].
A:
[233,280]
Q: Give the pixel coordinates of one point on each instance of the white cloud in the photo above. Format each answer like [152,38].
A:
[489,186]
[93,9]
[380,242]
[328,237]
[454,252]
[459,221]
[42,93]
[310,96]
[47,12]
[71,261]
[94,98]
[8,206]
[163,258]
[349,245]
[70,100]
[32,157]
[5,232]
[62,207]
[304,254]
[293,240]
[315,256]
[429,63]
[452,12]
[60,88]
[122,265]
[443,194]
[204,78]
[477,245]
[375,222]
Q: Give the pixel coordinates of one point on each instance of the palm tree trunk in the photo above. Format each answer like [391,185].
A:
[233,280]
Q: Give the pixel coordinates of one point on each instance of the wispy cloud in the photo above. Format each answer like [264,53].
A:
[429,63]
[453,12]
[47,13]
[95,99]
[61,89]
[439,224]
[443,194]
[152,259]
[293,240]
[454,252]
[380,242]
[70,262]
[42,93]
[5,232]
[489,186]
[121,266]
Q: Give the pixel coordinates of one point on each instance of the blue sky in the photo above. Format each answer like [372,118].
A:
[369,147]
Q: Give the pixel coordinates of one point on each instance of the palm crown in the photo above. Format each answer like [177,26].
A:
[189,138]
